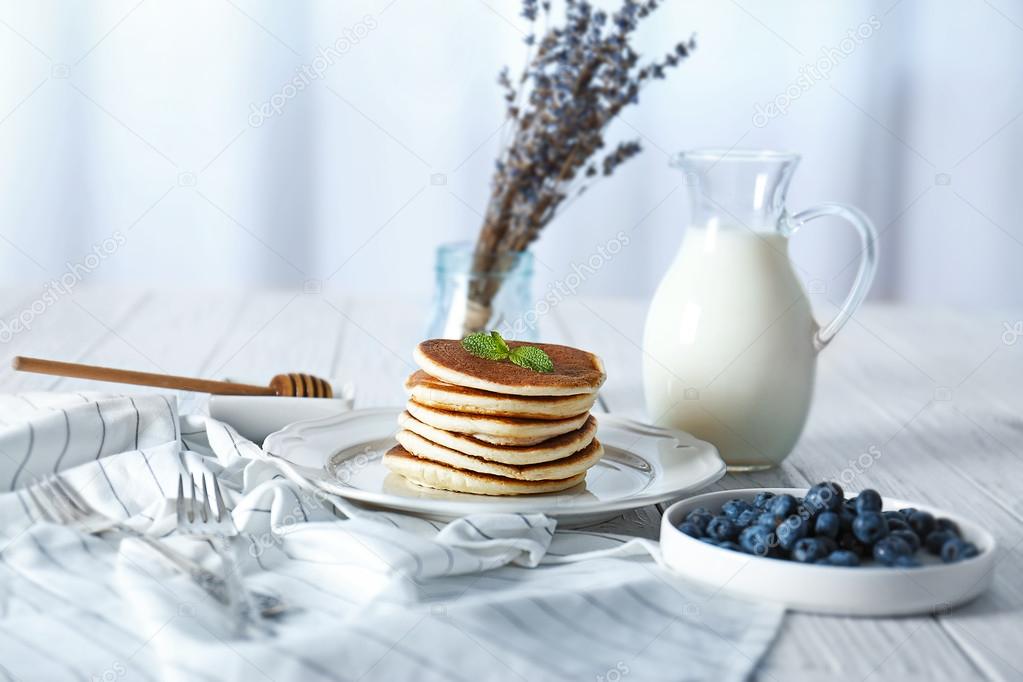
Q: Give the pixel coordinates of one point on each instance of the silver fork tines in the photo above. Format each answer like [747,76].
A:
[60,505]
[207,511]
[221,507]
[180,501]
[195,512]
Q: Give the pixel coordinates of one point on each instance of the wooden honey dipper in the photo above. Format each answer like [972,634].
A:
[291,385]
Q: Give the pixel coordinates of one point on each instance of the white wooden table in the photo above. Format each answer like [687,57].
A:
[936,396]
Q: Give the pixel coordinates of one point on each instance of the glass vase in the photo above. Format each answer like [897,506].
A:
[457,309]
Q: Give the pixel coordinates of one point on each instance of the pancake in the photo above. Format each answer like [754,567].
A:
[558,469]
[501,430]
[432,392]
[434,475]
[575,371]
[544,451]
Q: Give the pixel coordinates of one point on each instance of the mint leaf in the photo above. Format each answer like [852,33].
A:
[532,358]
[492,346]
[500,341]
[485,346]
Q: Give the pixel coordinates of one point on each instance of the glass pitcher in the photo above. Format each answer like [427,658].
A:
[730,343]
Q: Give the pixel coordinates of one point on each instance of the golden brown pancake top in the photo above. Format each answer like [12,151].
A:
[573,368]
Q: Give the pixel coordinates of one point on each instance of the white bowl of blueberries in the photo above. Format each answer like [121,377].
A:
[817,550]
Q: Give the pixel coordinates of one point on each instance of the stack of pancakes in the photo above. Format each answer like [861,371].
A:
[493,428]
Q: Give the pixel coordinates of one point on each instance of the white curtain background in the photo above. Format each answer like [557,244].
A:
[133,122]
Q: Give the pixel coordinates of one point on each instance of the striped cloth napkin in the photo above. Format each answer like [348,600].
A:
[371,595]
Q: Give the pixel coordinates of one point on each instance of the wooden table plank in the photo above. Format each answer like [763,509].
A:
[613,329]
[380,337]
[69,329]
[281,333]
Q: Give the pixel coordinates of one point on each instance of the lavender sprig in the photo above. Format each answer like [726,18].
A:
[580,74]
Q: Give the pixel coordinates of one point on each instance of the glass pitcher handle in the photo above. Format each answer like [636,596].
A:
[868,262]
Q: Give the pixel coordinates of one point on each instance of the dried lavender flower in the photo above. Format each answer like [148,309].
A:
[579,77]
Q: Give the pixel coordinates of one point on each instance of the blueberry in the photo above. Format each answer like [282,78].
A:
[732,508]
[763,499]
[790,530]
[894,516]
[869,527]
[728,544]
[868,500]
[827,525]
[936,539]
[956,549]
[909,537]
[747,518]
[690,529]
[808,513]
[921,523]
[898,524]
[782,505]
[888,549]
[722,528]
[823,497]
[809,550]
[769,520]
[843,557]
[906,561]
[700,518]
[846,516]
[828,543]
[947,524]
[757,540]
[848,541]
[906,511]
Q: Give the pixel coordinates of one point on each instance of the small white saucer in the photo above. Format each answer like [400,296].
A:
[862,591]
[257,416]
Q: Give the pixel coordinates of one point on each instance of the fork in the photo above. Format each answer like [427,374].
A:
[59,503]
[196,517]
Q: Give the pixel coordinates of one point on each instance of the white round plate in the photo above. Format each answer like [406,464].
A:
[642,465]
[862,591]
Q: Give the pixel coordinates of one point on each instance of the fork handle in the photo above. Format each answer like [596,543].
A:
[239,599]
[209,581]
[212,584]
